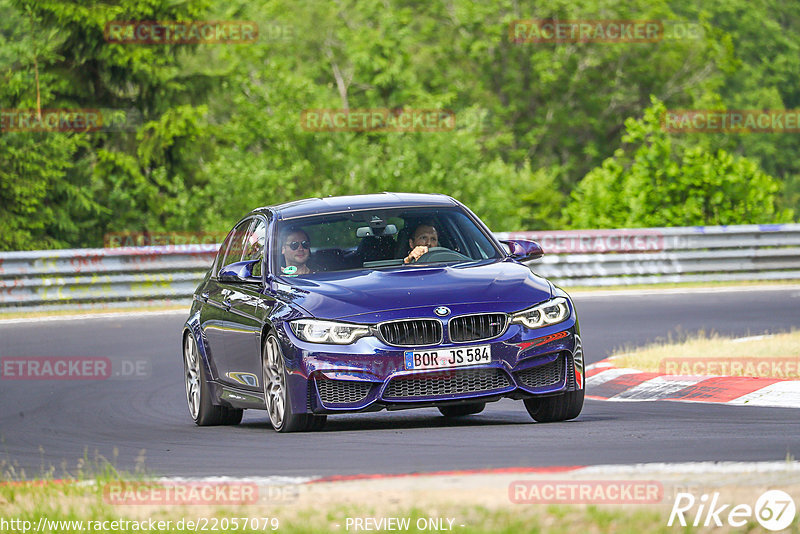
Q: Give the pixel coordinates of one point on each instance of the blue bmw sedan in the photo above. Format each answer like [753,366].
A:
[371,302]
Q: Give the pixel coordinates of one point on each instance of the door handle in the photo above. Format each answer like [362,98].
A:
[204,295]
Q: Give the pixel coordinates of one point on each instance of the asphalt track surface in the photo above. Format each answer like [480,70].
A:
[142,422]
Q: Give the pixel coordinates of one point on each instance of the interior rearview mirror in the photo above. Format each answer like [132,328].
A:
[366,231]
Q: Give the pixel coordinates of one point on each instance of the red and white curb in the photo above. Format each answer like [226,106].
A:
[653,468]
[604,381]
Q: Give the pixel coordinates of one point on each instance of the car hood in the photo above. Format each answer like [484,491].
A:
[372,295]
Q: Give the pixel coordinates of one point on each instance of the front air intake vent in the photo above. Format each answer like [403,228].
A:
[453,382]
[545,375]
[342,391]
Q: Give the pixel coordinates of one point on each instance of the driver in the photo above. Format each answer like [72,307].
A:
[296,250]
[424,236]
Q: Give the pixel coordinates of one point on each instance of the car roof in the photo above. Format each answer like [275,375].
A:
[317,206]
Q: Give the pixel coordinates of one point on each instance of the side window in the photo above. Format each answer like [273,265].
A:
[221,252]
[254,245]
[236,246]
[477,245]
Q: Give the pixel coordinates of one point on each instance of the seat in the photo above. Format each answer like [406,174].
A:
[401,248]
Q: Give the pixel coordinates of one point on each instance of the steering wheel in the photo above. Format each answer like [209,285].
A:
[435,254]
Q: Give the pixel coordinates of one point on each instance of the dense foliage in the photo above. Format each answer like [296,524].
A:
[553,135]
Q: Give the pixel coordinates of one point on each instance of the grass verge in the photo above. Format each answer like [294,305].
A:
[774,356]
[72,507]
[461,504]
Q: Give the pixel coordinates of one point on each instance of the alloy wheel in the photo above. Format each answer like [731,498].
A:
[191,366]
[274,382]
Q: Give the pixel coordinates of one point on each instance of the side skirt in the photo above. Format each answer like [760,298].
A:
[233,397]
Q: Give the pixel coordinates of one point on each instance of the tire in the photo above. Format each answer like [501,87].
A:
[276,393]
[460,410]
[198,394]
[558,408]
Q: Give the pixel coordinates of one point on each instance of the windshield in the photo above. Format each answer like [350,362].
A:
[378,239]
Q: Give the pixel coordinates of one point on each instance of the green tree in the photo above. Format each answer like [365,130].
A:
[69,188]
[651,182]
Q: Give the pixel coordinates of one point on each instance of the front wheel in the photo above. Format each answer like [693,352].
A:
[276,393]
[557,408]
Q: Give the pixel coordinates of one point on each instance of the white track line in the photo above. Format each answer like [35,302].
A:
[784,394]
[659,387]
[611,374]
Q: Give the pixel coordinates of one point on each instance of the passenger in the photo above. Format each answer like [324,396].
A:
[424,236]
[296,249]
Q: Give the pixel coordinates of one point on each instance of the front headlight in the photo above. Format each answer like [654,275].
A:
[315,331]
[551,312]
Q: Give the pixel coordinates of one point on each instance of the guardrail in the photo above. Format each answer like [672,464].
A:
[35,279]
[116,276]
[667,255]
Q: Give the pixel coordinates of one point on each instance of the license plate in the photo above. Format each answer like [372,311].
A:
[450,357]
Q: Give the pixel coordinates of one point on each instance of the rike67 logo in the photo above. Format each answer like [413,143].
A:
[774,510]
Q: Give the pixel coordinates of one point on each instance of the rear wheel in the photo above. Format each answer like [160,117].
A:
[557,408]
[460,410]
[276,393]
[198,394]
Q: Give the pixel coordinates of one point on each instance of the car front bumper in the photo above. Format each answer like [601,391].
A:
[369,375]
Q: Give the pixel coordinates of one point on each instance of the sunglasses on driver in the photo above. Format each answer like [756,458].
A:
[294,245]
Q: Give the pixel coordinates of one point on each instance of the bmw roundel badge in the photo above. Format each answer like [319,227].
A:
[441,311]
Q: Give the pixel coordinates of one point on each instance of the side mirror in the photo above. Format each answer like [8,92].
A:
[241,271]
[524,250]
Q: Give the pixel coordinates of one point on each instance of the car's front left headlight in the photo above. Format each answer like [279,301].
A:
[550,312]
[316,331]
